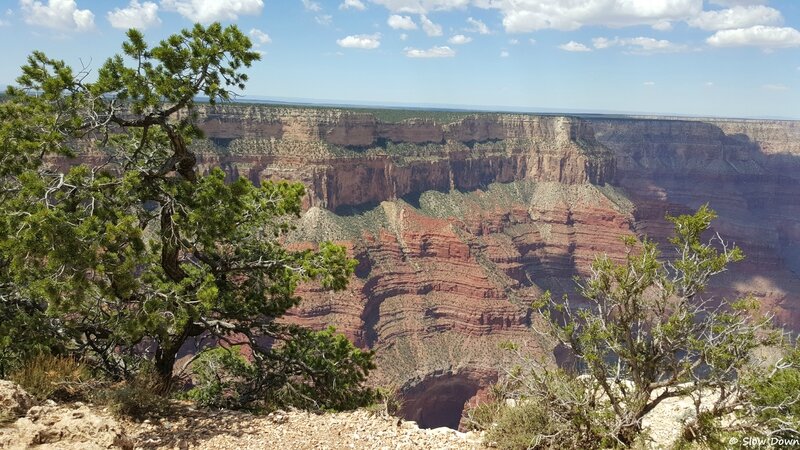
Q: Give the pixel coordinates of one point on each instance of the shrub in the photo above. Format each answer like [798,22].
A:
[521,427]
[139,398]
[553,409]
[649,333]
[388,402]
[221,378]
[46,376]
[330,374]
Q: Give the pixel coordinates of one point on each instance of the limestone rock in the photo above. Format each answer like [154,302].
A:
[14,401]
[65,427]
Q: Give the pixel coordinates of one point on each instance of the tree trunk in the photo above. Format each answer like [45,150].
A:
[165,361]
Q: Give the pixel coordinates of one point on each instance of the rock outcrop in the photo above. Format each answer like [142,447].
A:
[14,401]
[76,426]
[66,427]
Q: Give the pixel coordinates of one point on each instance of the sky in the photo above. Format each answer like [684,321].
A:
[728,58]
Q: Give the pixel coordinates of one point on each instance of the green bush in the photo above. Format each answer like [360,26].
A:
[388,402]
[561,411]
[221,378]
[520,427]
[329,375]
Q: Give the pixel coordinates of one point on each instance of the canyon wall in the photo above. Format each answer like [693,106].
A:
[747,170]
[351,159]
[458,221]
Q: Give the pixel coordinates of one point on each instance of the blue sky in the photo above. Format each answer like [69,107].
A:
[732,58]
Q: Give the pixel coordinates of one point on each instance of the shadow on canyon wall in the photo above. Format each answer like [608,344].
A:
[673,167]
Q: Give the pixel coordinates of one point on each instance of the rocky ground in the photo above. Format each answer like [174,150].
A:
[77,426]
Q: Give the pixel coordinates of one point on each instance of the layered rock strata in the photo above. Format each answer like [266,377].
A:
[458,221]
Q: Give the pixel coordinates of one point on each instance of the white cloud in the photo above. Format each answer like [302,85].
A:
[61,15]
[649,83]
[136,15]
[522,16]
[738,2]
[431,29]
[573,46]
[639,45]
[775,87]
[709,84]
[433,52]
[259,37]
[476,26]
[352,4]
[398,22]
[324,19]
[403,37]
[504,54]
[532,41]
[459,39]
[664,25]
[207,11]
[513,41]
[736,17]
[601,43]
[421,6]
[312,6]
[757,36]
[363,41]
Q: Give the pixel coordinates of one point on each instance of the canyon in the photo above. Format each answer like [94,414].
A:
[460,220]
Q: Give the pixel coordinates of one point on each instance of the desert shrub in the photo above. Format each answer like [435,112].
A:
[221,378]
[25,332]
[706,431]
[387,401]
[552,409]
[138,398]
[767,408]
[484,415]
[47,376]
[650,332]
[519,427]
[777,394]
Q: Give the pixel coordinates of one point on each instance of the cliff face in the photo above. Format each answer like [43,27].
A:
[459,221]
[351,159]
[748,171]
